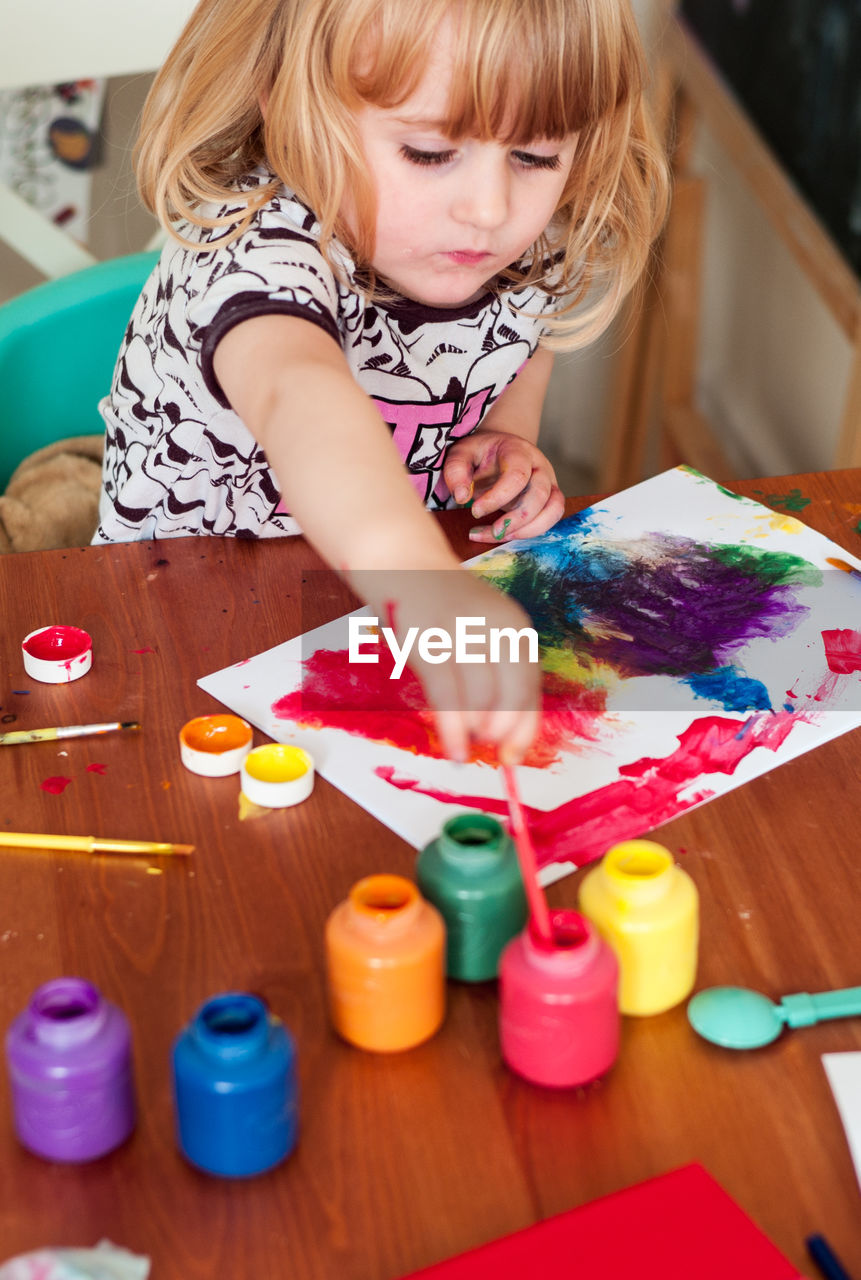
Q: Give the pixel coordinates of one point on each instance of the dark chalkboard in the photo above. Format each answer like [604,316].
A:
[795,66]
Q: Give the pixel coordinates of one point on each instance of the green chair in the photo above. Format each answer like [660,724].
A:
[58,347]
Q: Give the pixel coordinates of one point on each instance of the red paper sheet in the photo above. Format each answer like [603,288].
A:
[679,1226]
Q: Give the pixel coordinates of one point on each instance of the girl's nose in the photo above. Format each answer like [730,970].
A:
[483,197]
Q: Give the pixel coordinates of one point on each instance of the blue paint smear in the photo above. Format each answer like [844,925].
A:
[731,688]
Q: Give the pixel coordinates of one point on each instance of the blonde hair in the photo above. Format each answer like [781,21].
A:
[570,66]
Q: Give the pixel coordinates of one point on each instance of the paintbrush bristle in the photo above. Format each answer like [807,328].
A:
[846,568]
[129,724]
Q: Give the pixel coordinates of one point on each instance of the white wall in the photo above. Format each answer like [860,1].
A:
[44,45]
[774,364]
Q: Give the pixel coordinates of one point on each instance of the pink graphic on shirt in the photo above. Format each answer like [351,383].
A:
[421,433]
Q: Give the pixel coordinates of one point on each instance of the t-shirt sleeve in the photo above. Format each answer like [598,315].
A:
[270,270]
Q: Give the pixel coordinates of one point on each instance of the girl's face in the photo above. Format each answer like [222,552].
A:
[450,216]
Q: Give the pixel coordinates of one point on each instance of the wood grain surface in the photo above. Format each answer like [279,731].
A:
[406,1159]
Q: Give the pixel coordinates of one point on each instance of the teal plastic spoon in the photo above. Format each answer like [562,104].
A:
[740,1019]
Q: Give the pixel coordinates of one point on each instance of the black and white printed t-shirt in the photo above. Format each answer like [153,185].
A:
[178,460]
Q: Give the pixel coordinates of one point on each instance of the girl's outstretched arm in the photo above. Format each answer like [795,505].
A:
[342,479]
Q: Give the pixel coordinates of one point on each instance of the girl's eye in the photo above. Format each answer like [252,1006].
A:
[530,160]
[526,159]
[426,157]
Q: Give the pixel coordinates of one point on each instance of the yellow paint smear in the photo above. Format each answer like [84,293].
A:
[775,522]
[248,809]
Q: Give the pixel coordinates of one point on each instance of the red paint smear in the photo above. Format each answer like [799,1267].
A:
[55,786]
[842,651]
[363,700]
[148,649]
[96,768]
[584,828]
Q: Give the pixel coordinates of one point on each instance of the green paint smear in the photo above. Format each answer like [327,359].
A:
[858,527]
[792,501]
[774,568]
[698,475]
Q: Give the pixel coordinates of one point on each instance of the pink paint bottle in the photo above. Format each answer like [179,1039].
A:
[558,1006]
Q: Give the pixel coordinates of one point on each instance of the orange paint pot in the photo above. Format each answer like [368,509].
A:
[385,965]
[215,746]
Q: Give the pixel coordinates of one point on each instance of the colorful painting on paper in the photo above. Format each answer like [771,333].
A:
[690,640]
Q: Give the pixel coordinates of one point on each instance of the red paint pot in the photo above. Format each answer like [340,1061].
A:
[57,655]
[558,1007]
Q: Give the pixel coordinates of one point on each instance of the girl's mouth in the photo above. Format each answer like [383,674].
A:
[467,257]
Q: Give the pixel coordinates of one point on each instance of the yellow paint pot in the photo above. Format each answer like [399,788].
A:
[647,909]
[277,775]
[215,746]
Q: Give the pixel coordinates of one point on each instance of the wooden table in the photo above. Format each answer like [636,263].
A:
[407,1159]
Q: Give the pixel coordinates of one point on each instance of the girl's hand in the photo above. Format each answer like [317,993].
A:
[491,702]
[510,475]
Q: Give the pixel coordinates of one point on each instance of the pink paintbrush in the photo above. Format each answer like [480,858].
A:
[526,856]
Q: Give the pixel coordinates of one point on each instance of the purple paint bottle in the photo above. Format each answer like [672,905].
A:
[69,1057]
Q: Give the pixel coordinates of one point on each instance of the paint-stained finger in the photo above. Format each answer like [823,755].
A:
[550,513]
[541,507]
[453,735]
[514,480]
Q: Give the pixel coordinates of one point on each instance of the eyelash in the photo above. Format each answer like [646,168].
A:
[524,158]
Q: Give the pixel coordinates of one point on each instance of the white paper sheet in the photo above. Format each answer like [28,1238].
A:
[662,741]
[844,1076]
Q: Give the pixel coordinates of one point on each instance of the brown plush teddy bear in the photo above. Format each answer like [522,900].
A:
[52,499]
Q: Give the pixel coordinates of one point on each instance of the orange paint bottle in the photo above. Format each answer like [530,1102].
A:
[385,965]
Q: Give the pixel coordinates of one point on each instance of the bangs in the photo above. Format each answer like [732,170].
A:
[522,69]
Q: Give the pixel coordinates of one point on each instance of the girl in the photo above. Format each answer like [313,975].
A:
[384,216]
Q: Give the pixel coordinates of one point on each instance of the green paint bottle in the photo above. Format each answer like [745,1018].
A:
[471,875]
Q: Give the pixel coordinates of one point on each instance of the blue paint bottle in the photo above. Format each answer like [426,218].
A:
[235,1088]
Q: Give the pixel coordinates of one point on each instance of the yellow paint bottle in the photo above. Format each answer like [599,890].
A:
[647,909]
[385,965]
